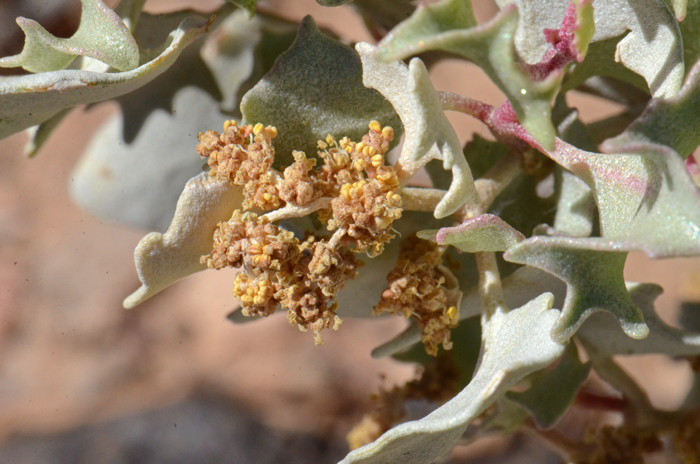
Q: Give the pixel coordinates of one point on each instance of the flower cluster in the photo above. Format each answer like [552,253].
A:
[419,288]
[436,383]
[354,192]
[279,269]
[622,445]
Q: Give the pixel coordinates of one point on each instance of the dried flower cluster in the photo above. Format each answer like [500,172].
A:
[418,287]
[436,383]
[622,445]
[357,196]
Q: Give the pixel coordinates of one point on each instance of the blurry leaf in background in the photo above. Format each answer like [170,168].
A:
[315,89]
[101,35]
[137,164]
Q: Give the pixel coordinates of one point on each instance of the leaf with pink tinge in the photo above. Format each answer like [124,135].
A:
[429,134]
[491,47]
[515,344]
[646,199]
[594,280]
[163,259]
[482,233]
[101,35]
[30,100]
[653,46]
[664,339]
[670,121]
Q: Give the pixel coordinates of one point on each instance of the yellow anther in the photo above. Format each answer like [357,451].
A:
[452,312]
[348,149]
[372,151]
[377,160]
[360,146]
[375,126]
[329,139]
[388,133]
[228,123]
[271,132]
[322,145]
[365,151]
[258,128]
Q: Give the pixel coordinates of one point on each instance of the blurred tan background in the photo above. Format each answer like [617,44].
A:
[78,373]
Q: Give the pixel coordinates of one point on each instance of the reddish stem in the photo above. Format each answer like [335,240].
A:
[588,400]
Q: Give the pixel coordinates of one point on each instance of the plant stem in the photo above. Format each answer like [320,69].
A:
[490,288]
[420,199]
[292,211]
[455,102]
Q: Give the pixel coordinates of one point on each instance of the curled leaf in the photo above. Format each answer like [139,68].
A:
[101,35]
[482,233]
[163,259]
[594,281]
[608,340]
[429,135]
[670,121]
[30,100]
[515,344]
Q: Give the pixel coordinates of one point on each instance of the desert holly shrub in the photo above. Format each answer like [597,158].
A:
[308,190]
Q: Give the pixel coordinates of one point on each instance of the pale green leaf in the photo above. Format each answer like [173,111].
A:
[653,48]
[575,205]
[490,46]
[689,30]
[101,35]
[671,121]
[600,61]
[607,339]
[429,135]
[515,344]
[139,182]
[315,89]
[30,100]
[481,233]
[247,5]
[163,259]
[645,197]
[550,397]
[593,278]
